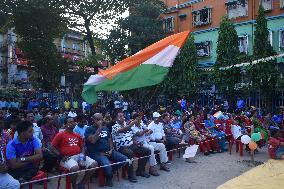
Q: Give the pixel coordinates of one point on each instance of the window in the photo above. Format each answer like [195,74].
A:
[281,38]
[203,49]
[243,44]
[169,24]
[267,4]
[237,8]
[281,4]
[270,37]
[75,46]
[201,17]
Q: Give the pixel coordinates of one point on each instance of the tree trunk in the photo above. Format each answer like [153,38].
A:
[90,37]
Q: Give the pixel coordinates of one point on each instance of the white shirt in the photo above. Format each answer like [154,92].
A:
[125,106]
[141,139]
[72,114]
[84,105]
[236,131]
[117,104]
[121,139]
[158,131]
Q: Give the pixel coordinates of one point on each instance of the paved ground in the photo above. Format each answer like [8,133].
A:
[208,173]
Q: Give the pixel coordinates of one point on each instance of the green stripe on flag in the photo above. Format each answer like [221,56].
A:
[141,76]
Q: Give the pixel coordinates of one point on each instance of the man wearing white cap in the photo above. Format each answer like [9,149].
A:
[158,138]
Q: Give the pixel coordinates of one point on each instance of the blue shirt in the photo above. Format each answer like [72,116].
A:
[102,145]
[16,149]
[176,124]
[80,131]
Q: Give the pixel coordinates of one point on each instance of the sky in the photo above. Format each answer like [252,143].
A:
[104,29]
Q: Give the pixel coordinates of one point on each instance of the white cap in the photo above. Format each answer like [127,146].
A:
[156,115]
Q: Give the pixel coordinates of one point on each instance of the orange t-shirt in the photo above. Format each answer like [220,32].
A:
[68,143]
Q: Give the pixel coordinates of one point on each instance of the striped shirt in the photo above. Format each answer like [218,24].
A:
[121,139]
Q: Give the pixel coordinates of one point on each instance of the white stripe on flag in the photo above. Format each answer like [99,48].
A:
[164,58]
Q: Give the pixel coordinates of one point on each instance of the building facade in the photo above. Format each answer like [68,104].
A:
[202,18]
[13,65]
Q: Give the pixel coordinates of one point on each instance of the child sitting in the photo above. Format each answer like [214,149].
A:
[276,145]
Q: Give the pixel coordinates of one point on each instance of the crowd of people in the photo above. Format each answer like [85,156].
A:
[75,138]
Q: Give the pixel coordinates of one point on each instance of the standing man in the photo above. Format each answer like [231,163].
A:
[70,147]
[158,137]
[123,138]
[100,147]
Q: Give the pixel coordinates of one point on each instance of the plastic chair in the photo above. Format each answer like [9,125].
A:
[239,146]
[40,175]
[68,178]
[102,178]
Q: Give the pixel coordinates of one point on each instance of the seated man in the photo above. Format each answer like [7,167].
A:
[49,131]
[173,135]
[70,146]
[81,125]
[158,138]
[7,181]
[142,137]
[24,153]
[123,138]
[36,129]
[100,147]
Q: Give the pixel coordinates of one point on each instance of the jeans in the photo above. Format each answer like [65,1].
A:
[139,151]
[104,160]
[8,182]
[171,142]
[279,152]
[221,140]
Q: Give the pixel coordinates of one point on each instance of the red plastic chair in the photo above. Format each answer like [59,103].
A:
[239,146]
[40,175]
[102,178]
[68,178]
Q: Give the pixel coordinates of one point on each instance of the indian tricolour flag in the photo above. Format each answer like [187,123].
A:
[145,68]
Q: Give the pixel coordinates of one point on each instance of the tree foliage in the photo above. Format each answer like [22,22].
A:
[263,75]
[183,77]
[37,23]
[140,29]
[227,55]
[87,14]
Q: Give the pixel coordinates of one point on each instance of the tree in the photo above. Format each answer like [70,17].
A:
[183,77]
[37,23]
[85,14]
[227,55]
[140,29]
[264,74]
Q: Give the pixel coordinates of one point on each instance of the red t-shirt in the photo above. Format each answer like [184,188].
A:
[274,144]
[68,143]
